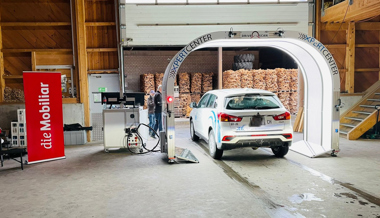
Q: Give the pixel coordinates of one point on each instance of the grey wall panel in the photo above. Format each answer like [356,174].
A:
[207,14]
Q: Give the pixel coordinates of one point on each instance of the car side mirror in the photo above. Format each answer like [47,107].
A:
[193,105]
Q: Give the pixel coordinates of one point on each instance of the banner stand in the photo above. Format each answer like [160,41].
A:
[44,116]
[53,159]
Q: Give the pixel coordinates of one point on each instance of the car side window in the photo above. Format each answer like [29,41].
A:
[211,101]
[203,102]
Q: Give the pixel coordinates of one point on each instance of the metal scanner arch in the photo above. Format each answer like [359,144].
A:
[321,79]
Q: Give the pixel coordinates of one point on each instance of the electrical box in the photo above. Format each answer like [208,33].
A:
[64,83]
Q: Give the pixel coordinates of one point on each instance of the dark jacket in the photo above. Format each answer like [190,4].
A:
[158,102]
[150,105]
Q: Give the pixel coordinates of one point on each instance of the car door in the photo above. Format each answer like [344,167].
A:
[199,119]
[210,115]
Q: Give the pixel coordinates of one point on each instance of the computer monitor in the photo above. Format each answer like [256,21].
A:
[134,98]
[111,98]
[131,98]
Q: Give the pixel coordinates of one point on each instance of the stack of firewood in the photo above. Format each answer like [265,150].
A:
[207,82]
[283,79]
[158,79]
[147,82]
[184,82]
[259,79]
[293,79]
[196,83]
[185,101]
[293,102]
[271,80]
[246,78]
[13,95]
[195,97]
[146,101]
[231,79]
[284,98]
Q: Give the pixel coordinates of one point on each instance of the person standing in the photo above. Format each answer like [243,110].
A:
[158,109]
[151,115]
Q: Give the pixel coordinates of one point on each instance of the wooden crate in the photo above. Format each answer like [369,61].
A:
[196,82]
[293,102]
[259,79]
[207,84]
[147,82]
[246,78]
[184,82]
[293,79]
[231,79]
[283,79]
[271,80]
[158,79]
[185,100]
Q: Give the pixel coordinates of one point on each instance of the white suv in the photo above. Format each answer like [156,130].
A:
[234,118]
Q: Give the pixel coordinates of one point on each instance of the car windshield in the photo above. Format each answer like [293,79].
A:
[249,102]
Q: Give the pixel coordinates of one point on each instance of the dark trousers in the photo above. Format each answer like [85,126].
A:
[158,125]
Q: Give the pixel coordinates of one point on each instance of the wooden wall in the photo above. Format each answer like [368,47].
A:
[31,32]
[39,33]
[355,46]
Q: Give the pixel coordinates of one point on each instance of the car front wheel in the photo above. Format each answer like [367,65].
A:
[192,132]
[280,151]
[213,149]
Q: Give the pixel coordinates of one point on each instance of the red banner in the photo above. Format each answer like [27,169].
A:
[44,119]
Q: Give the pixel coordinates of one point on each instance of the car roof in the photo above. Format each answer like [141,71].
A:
[228,92]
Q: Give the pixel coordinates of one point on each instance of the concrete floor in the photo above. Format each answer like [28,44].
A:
[246,183]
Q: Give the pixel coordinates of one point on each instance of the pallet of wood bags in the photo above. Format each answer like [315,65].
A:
[146,101]
[283,79]
[147,82]
[184,82]
[207,82]
[271,80]
[259,79]
[195,97]
[231,79]
[246,77]
[293,79]
[284,98]
[13,95]
[293,102]
[158,77]
[196,82]
[185,100]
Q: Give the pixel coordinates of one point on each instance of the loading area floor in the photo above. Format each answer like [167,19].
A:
[245,183]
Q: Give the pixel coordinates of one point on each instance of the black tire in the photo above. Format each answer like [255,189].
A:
[213,149]
[280,151]
[244,58]
[243,65]
[192,132]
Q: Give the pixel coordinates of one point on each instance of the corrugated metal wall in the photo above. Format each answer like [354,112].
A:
[228,15]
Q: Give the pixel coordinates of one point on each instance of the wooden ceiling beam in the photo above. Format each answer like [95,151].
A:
[35,24]
[359,10]
[359,26]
